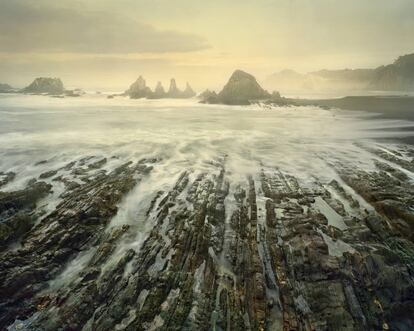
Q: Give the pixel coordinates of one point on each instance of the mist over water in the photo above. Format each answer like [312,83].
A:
[39,134]
[183,133]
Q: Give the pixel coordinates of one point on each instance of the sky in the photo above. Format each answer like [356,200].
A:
[107,44]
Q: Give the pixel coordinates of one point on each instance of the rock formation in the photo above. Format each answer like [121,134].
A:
[188,92]
[398,76]
[45,85]
[267,252]
[18,210]
[74,93]
[138,89]
[209,97]
[271,252]
[6,88]
[173,91]
[159,92]
[241,89]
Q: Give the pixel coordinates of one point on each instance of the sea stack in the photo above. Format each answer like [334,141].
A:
[173,91]
[241,89]
[45,85]
[188,92]
[138,89]
[159,92]
[209,97]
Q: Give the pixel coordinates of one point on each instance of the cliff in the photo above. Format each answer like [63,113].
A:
[398,76]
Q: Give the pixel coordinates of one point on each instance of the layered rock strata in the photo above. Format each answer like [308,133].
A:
[267,252]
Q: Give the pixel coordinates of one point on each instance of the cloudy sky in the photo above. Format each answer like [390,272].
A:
[108,43]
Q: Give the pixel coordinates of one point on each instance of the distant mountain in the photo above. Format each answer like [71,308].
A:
[241,89]
[346,79]
[45,85]
[398,76]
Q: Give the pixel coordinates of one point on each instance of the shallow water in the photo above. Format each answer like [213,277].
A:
[184,135]
[182,132]
[306,142]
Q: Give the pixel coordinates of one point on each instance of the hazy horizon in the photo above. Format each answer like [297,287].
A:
[177,208]
[107,44]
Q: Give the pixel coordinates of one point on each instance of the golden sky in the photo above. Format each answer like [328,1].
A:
[108,43]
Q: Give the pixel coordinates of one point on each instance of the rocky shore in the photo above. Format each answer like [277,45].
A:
[268,252]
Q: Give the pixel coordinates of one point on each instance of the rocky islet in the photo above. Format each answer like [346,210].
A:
[139,89]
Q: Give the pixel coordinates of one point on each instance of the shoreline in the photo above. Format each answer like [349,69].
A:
[387,107]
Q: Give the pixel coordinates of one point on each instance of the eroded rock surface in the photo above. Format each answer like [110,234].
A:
[270,251]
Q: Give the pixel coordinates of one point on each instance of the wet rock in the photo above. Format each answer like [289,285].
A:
[76,224]
[6,177]
[17,210]
[98,164]
[211,253]
[48,174]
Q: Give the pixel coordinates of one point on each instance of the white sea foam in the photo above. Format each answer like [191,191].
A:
[35,128]
[183,135]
